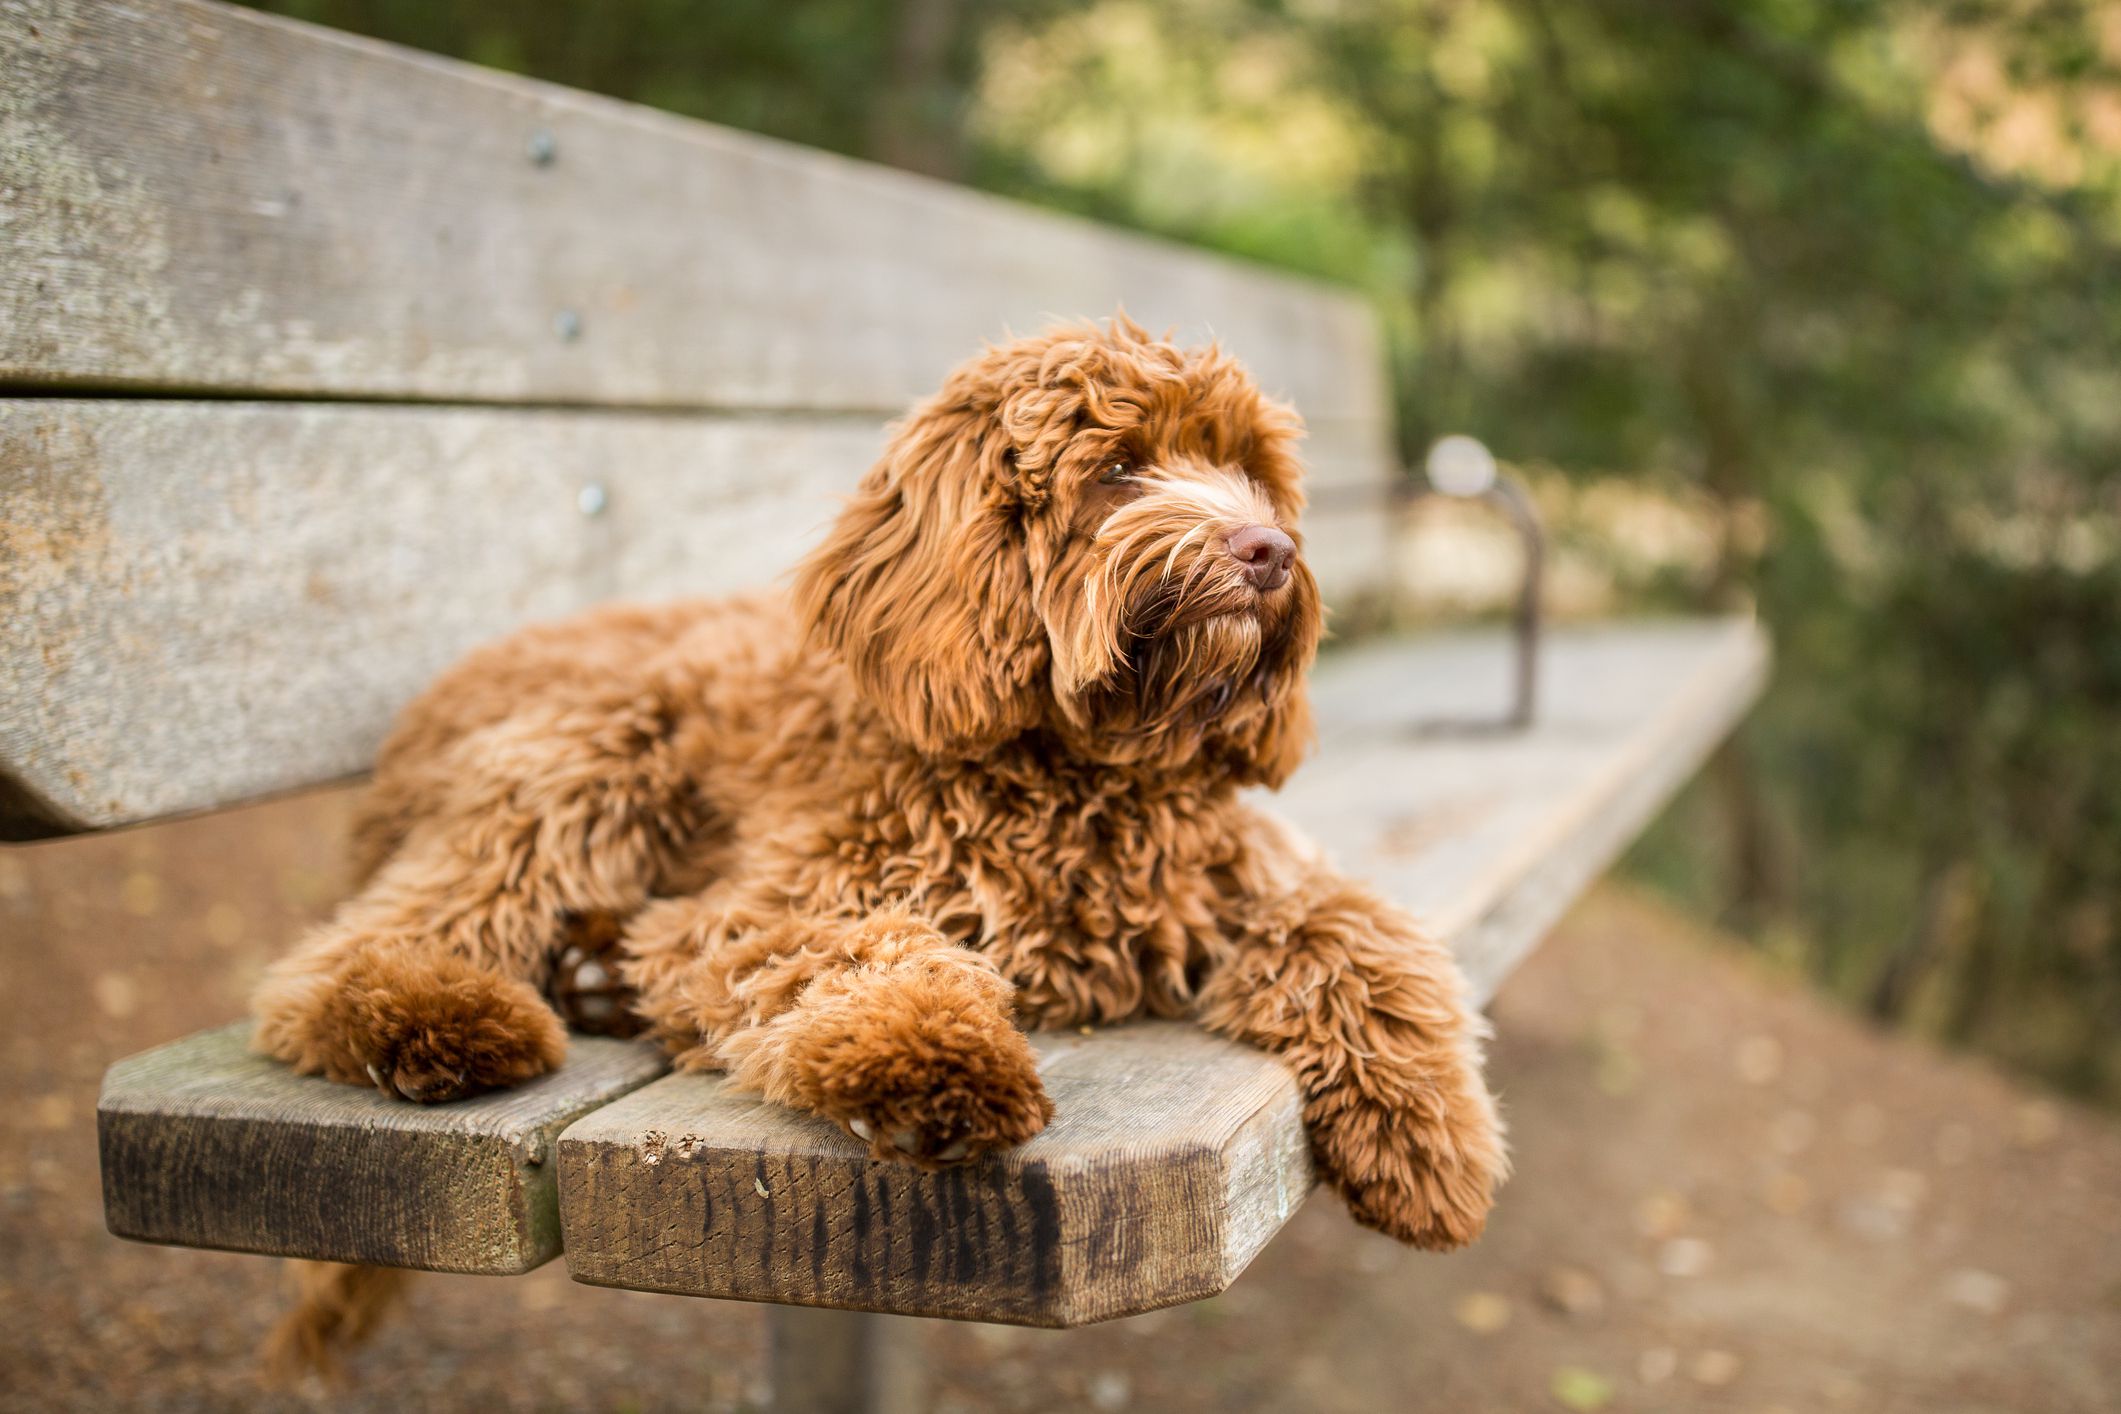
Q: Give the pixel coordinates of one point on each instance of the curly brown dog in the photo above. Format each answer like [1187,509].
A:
[983,766]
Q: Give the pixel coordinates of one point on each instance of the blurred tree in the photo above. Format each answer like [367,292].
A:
[1848,269]
[886,79]
[1844,269]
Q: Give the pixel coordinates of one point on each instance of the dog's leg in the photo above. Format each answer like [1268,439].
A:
[1372,1016]
[425,983]
[877,1023]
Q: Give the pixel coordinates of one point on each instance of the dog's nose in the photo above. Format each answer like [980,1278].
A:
[1265,554]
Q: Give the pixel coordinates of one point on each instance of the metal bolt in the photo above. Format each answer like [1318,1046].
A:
[543,147]
[591,499]
[568,325]
[1461,466]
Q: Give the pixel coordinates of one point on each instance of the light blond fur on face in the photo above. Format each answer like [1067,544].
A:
[988,581]
[1158,565]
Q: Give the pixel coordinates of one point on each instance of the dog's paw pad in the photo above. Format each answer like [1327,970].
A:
[433,1035]
[935,1109]
[936,1148]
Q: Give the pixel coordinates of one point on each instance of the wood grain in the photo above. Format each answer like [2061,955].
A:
[206,1144]
[1488,834]
[1174,1156]
[206,602]
[202,197]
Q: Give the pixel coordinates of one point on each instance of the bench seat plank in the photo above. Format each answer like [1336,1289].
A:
[203,602]
[1488,835]
[204,197]
[1174,1156]
[207,1144]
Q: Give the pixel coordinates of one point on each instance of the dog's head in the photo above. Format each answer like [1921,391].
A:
[1091,533]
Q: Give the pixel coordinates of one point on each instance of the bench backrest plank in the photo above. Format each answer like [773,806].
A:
[204,600]
[205,197]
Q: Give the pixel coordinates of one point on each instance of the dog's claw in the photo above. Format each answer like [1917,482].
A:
[381,1083]
[955,1152]
[862,1129]
[906,1140]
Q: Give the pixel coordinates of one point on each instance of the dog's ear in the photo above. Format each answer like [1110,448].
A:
[923,587]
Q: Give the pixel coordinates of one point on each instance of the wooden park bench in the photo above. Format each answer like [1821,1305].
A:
[322,361]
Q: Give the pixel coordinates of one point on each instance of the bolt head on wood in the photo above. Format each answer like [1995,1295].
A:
[542,148]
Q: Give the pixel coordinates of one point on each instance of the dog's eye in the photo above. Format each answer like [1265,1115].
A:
[1117,473]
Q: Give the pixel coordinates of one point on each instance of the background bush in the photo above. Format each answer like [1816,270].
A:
[1843,273]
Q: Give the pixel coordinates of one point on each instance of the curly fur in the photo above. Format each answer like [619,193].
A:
[982,766]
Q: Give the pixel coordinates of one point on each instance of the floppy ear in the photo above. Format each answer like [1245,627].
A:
[924,591]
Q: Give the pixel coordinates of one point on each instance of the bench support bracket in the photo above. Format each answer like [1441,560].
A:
[845,1362]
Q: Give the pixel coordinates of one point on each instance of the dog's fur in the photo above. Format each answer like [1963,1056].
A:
[983,765]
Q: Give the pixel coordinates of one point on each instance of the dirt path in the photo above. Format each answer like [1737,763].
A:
[1728,1197]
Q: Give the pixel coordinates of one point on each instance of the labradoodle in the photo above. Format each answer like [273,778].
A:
[982,768]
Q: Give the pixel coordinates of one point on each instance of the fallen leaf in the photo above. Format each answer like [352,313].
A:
[537,1295]
[224,924]
[1684,1257]
[1581,1389]
[1954,1144]
[1793,1132]
[1618,1073]
[1867,1217]
[1863,1123]
[1482,1312]
[1977,1290]
[1786,1193]
[1661,1214]
[1845,1391]
[1572,1291]
[1759,1060]
[1713,1367]
[1903,1188]
[1378,1255]
[1110,1389]
[116,994]
[2036,1124]
[141,894]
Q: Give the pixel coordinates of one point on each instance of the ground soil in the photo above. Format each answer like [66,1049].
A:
[1728,1197]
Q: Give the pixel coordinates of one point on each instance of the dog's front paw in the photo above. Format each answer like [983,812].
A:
[1423,1169]
[920,1061]
[416,1027]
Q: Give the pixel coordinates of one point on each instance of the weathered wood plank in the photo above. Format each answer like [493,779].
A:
[206,1144]
[204,602]
[206,197]
[1489,835]
[1174,1156]
[1147,1191]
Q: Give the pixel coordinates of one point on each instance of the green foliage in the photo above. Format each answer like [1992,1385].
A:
[1847,271]
[882,80]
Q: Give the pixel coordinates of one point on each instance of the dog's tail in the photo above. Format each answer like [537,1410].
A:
[336,1308]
